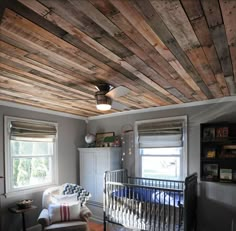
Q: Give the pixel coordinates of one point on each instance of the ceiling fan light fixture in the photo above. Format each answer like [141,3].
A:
[103,107]
[103,102]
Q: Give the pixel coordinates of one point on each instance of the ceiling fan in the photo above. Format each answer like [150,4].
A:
[105,97]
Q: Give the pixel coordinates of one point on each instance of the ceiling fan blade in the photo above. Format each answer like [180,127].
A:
[117,92]
[118,106]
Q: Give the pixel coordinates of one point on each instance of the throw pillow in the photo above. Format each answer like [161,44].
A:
[69,198]
[64,212]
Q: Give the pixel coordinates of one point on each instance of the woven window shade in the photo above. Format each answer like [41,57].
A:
[159,134]
[24,130]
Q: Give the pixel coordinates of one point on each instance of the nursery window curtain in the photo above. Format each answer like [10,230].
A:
[24,130]
[168,134]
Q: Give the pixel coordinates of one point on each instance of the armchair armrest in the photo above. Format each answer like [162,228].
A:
[43,218]
[85,213]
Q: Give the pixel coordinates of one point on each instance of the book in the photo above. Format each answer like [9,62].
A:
[209,134]
[229,151]
[226,174]
[222,132]
[211,153]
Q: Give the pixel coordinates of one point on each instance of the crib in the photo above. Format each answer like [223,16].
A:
[149,204]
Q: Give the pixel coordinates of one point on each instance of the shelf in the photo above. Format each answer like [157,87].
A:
[218,152]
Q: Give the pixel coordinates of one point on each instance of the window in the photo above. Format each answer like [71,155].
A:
[30,154]
[161,148]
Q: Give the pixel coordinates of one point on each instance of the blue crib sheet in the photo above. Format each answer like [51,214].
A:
[151,195]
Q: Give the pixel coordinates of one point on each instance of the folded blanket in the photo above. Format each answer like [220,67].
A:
[82,194]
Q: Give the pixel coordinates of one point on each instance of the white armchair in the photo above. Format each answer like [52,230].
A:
[56,215]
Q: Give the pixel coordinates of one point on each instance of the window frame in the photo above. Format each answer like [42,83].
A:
[9,189]
[184,162]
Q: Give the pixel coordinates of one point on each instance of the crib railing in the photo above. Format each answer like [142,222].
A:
[149,204]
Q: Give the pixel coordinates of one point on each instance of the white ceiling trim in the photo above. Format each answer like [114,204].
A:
[176,106]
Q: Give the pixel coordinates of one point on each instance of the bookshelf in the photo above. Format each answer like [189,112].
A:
[218,152]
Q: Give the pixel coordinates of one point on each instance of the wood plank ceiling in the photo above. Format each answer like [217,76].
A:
[166,52]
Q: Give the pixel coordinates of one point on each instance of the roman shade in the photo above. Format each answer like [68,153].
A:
[160,134]
[30,130]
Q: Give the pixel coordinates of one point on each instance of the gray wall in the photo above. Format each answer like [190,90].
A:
[71,134]
[217,201]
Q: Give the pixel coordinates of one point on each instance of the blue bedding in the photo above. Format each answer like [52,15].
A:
[151,195]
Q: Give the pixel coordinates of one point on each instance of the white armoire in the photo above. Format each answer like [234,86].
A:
[93,164]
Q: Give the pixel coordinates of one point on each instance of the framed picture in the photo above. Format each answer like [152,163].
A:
[100,138]
[209,133]
[210,171]
[226,174]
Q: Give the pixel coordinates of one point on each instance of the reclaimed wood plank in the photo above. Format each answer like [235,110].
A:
[155,21]
[177,22]
[130,68]
[231,84]
[12,67]
[228,9]
[193,9]
[173,15]
[215,22]
[222,84]
[212,12]
[204,36]
[200,27]
[45,51]
[106,8]
[220,42]
[140,24]
[37,104]
[201,63]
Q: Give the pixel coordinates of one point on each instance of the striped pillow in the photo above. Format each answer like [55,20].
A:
[64,212]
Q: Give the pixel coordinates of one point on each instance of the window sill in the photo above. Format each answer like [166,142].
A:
[27,191]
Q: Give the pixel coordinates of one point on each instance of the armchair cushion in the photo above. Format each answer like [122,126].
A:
[64,212]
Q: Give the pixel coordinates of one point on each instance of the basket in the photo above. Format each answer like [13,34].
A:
[24,204]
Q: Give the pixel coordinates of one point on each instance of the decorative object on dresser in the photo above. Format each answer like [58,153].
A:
[90,139]
[101,138]
[218,152]
[93,163]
